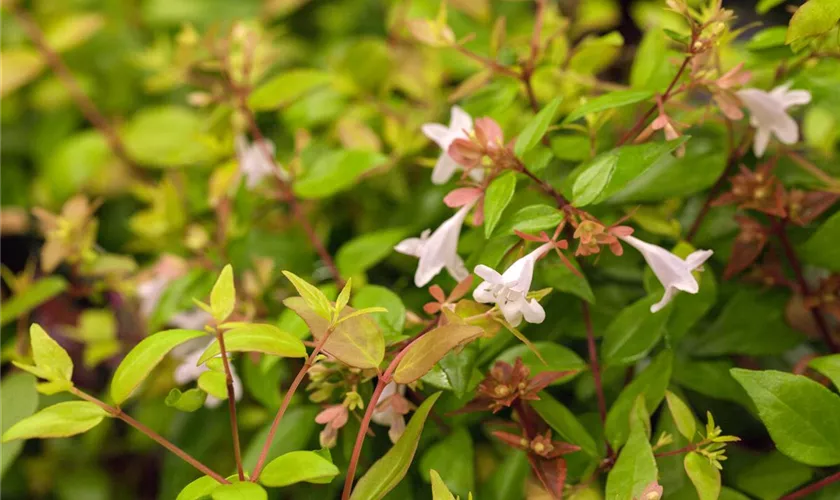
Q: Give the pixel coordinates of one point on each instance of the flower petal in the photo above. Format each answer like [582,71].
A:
[670,293]
[697,258]
[460,120]
[795,98]
[444,169]
[410,246]
[786,129]
[484,293]
[760,142]
[488,274]
[511,311]
[438,133]
[533,311]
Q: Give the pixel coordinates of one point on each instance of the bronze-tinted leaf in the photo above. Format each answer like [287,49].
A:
[423,354]
[356,342]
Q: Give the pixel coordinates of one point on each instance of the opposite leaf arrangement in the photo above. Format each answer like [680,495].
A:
[563,371]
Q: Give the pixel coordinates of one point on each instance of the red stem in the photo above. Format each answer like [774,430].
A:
[593,362]
[811,488]
[234,427]
[287,398]
[686,449]
[88,108]
[790,253]
[637,127]
[118,413]
[383,381]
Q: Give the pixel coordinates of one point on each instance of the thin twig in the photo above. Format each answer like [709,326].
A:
[832,183]
[811,488]
[637,127]
[118,413]
[287,398]
[88,108]
[234,427]
[790,253]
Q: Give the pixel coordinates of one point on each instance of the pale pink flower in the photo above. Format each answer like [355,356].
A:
[768,114]
[460,126]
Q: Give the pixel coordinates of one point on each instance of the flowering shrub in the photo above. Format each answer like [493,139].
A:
[246,258]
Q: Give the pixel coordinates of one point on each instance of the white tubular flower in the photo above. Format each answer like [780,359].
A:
[510,290]
[188,371]
[438,249]
[460,125]
[391,410]
[673,272]
[768,114]
[253,162]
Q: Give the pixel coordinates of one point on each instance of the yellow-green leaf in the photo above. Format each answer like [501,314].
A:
[298,466]
[704,475]
[20,66]
[388,471]
[71,31]
[357,342]
[30,298]
[239,491]
[313,297]
[140,361]
[682,414]
[50,358]
[286,87]
[214,384]
[439,489]
[60,420]
[202,487]
[267,339]
[423,354]
[223,295]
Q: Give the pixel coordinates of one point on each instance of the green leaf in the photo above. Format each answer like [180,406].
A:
[314,298]
[496,199]
[813,18]
[802,416]
[647,71]
[389,470]
[57,421]
[683,417]
[188,401]
[508,480]
[768,39]
[73,30]
[425,352]
[439,489]
[392,321]
[298,466]
[828,366]
[752,322]
[167,137]
[39,292]
[571,147]
[284,88]
[595,53]
[562,279]
[20,66]
[672,177]
[535,130]
[19,400]
[712,379]
[633,333]
[634,470]
[361,253]
[558,357]
[609,172]
[223,295]
[764,6]
[459,368]
[335,172]
[51,360]
[213,383]
[454,456]
[267,339]
[356,342]
[564,422]
[652,383]
[201,488]
[769,476]
[704,475]
[611,100]
[530,219]
[239,491]
[821,249]
[141,360]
